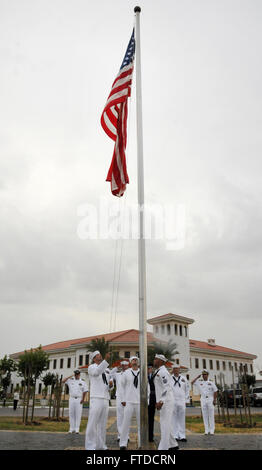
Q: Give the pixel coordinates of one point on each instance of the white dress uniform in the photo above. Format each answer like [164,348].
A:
[130,393]
[206,389]
[181,397]
[117,376]
[164,393]
[99,376]
[76,390]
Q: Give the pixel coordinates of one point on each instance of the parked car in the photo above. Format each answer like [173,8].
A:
[256,397]
[229,397]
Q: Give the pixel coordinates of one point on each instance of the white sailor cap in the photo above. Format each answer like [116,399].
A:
[124,363]
[204,371]
[161,357]
[134,357]
[175,366]
[94,354]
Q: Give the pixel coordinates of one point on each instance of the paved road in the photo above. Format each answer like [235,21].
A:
[190,411]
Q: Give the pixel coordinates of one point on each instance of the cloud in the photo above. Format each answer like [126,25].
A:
[202,146]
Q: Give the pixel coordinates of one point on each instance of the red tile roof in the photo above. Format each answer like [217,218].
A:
[125,336]
[132,336]
[194,344]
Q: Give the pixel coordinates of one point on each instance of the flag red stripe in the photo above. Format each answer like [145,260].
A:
[114,122]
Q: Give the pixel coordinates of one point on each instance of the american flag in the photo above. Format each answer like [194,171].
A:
[114,120]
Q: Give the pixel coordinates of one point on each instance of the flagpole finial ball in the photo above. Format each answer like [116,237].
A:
[137,9]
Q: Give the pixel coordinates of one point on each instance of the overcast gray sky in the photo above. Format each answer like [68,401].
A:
[202,102]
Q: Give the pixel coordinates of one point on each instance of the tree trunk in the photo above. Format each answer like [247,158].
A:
[33,405]
[50,402]
[24,403]
[27,400]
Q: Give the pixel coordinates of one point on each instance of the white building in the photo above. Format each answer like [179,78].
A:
[224,364]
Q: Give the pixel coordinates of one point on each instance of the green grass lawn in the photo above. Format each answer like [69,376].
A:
[193,423]
[9,423]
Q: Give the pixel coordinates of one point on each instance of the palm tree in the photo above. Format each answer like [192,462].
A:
[168,349]
[99,344]
[103,346]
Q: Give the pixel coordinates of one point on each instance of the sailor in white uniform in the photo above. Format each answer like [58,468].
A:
[77,392]
[130,399]
[117,376]
[164,403]
[100,384]
[181,397]
[208,392]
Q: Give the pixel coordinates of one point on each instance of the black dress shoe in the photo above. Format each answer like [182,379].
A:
[122,448]
[183,440]
[173,448]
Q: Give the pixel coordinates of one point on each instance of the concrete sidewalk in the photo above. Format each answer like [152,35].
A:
[11,440]
[26,440]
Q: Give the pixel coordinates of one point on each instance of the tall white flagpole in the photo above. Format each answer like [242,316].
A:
[141,247]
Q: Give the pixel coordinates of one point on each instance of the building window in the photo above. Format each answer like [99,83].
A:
[180,330]
[196,363]
[54,364]
[187,376]
[204,364]
[251,368]
[168,329]
[235,366]
[230,366]
[156,329]
[163,329]
[39,388]
[61,363]
[224,365]
[185,331]
[87,359]
[137,353]
[80,361]
[48,365]
[190,363]
[211,364]
[241,367]
[177,361]
[218,365]
[175,329]
[127,354]
[68,362]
